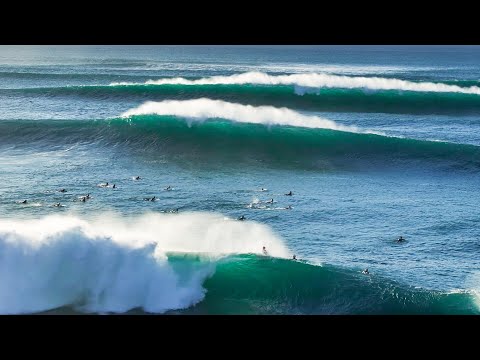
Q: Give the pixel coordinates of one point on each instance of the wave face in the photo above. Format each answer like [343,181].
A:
[318,80]
[361,100]
[114,265]
[254,285]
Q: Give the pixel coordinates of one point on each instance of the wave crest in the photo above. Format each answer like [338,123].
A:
[201,109]
[115,265]
[317,80]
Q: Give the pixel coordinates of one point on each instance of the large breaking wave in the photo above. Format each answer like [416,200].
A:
[318,80]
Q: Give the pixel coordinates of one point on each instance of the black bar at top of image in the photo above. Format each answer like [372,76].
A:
[242,23]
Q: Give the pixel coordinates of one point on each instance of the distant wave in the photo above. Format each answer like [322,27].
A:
[201,109]
[229,143]
[318,80]
[361,99]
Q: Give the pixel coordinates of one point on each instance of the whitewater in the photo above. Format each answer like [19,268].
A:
[317,80]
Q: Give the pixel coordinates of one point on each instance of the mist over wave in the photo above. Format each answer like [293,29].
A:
[318,80]
[117,264]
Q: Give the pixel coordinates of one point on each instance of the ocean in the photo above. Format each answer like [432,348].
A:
[173,144]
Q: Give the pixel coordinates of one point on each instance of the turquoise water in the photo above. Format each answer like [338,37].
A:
[374,143]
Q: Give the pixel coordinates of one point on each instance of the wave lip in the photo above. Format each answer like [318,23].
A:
[116,265]
[201,109]
[317,80]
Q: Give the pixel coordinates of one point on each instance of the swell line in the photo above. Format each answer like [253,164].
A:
[317,80]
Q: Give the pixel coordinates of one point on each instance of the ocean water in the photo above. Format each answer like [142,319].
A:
[375,142]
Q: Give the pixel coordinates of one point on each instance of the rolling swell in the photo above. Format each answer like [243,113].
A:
[324,99]
[225,142]
[251,284]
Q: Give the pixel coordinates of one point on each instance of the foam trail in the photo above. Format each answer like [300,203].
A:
[118,264]
[318,80]
[201,109]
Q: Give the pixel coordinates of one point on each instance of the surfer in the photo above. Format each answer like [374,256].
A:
[241,218]
[113,186]
[269,201]
[264,250]
[401,239]
[168,188]
[294,257]
[88,196]
[23,202]
[290,193]
[83,199]
[152,199]
[263,189]
[365,272]
[57,205]
[137,177]
[62,190]
[289,207]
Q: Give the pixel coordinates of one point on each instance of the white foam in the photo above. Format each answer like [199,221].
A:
[201,109]
[116,264]
[318,80]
